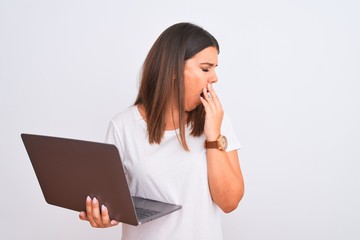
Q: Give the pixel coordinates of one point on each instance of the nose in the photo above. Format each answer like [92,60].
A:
[213,78]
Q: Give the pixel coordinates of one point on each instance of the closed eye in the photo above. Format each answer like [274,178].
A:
[206,66]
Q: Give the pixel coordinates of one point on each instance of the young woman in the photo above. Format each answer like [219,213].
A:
[173,144]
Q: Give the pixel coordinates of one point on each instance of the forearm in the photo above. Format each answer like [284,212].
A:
[225,179]
[224,173]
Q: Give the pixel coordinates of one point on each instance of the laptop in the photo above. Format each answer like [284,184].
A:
[69,170]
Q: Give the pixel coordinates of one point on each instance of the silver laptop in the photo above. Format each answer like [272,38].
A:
[69,170]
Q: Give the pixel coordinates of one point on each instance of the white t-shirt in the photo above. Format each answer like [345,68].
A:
[166,172]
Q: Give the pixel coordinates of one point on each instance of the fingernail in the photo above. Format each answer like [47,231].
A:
[113,222]
[88,199]
[94,200]
[103,208]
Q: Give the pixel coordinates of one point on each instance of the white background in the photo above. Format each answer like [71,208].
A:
[288,73]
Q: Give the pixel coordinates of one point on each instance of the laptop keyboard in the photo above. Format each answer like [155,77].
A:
[144,213]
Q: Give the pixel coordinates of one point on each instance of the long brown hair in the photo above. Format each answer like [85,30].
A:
[162,79]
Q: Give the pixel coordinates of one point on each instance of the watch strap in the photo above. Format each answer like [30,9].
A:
[211,144]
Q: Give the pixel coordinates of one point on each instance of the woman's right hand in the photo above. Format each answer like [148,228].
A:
[97,218]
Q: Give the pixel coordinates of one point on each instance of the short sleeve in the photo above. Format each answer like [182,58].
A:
[228,131]
[112,137]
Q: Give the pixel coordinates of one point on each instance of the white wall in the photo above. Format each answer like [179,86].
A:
[289,78]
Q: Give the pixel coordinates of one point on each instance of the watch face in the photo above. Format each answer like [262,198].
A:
[223,142]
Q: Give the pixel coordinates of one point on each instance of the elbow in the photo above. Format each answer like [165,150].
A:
[231,204]
[229,207]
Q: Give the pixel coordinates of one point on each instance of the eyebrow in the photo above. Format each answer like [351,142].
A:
[209,64]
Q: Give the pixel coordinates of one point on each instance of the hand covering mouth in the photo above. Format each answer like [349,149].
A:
[202,94]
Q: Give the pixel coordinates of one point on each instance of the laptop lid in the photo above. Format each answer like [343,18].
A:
[69,170]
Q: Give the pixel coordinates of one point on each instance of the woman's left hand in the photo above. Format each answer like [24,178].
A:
[214,113]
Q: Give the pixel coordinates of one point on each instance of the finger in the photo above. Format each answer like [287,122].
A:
[211,91]
[205,104]
[114,223]
[208,98]
[89,211]
[105,215]
[214,96]
[82,216]
[96,211]
[207,95]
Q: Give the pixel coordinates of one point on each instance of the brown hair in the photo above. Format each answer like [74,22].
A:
[163,79]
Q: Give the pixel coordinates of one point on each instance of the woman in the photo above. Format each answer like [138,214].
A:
[172,141]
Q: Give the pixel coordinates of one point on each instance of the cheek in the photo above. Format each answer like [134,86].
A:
[194,81]
[188,76]
[190,82]
[193,87]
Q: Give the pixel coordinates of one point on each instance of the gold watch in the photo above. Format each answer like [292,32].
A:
[220,143]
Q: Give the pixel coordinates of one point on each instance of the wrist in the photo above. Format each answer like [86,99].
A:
[212,136]
[220,143]
[211,139]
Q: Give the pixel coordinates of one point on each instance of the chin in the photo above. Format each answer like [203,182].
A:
[191,108]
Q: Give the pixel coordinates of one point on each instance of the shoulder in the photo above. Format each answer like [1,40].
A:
[125,124]
[125,115]
[127,119]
